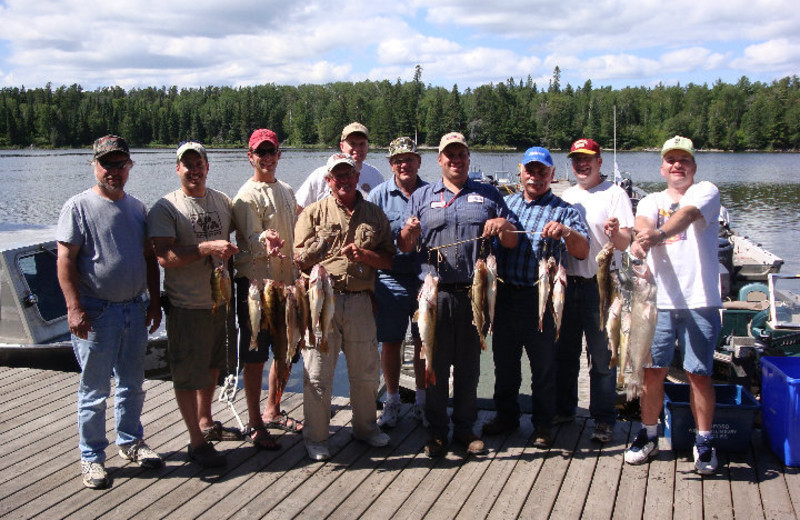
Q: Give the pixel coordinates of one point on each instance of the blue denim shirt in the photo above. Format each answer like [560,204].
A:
[520,266]
[447,218]
[391,199]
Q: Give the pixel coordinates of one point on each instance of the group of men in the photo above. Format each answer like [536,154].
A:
[378,240]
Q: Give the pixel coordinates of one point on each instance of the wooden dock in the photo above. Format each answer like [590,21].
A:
[39,471]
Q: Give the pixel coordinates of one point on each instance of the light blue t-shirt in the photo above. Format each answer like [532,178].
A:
[111,235]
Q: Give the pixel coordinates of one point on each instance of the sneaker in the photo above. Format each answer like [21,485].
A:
[563,419]
[141,454]
[473,443]
[418,413]
[377,439]
[388,419]
[94,475]
[499,425]
[207,456]
[318,451]
[705,456]
[642,450]
[436,447]
[542,438]
[602,432]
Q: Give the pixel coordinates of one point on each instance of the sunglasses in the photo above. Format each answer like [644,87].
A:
[261,152]
[114,165]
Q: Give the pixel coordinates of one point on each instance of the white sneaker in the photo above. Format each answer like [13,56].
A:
[377,440]
[642,450]
[93,475]
[391,412]
[705,457]
[418,412]
[318,451]
[140,453]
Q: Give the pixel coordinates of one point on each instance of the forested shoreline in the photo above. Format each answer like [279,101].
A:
[517,114]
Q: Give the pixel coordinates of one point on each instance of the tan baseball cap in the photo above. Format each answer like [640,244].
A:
[452,138]
[354,128]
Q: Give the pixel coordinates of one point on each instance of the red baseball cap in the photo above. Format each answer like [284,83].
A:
[261,135]
[585,146]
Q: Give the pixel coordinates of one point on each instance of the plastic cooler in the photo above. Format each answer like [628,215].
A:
[734,413]
[780,402]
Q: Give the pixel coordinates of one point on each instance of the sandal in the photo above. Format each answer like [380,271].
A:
[221,433]
[261,439]
[285,423]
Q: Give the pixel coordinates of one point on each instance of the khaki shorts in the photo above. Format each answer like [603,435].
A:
[195,346]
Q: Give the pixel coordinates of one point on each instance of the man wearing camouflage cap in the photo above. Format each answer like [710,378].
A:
[396,288]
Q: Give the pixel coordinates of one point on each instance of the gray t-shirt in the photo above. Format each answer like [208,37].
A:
[111,236]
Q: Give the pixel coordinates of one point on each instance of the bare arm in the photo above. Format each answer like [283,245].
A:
[496,226]
[170,254]
[648,236]
[378,259]
[67,270]
[577,244]
[153,287]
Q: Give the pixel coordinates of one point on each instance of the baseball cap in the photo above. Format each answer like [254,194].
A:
[191,145]
[402,145]
[109,143]
[261,135]
[340,158]
[537,154]
[354,128]
[678,143]
[585,146]
[452,138]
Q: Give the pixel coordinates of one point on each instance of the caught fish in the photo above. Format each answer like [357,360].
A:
[544,290]
[322,305]
[304,310]
[604,258]
[480,282]
[642,328]
[613,324]
[254,309]
[221,290]
[559,294]
[292,319]
[426,320]
[269,302]
[491,289]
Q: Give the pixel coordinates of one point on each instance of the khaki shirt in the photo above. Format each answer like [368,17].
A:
[324,227]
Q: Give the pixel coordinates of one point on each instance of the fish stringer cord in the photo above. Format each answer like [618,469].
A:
[229,388]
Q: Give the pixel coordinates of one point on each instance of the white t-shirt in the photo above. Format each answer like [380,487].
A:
[686,266]
[315,187]
[597,205]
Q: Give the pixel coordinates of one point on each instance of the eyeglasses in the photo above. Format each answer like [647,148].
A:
[683,161]
[261,152]
[114,165]
[343,177]
[397,161]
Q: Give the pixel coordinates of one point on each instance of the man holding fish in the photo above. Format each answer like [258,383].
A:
[342,239]
[606,209]
[454,221]
[533,272]
[678,229]
[265,213]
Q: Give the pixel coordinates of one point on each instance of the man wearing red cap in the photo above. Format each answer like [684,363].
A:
[265,214]
[606,209]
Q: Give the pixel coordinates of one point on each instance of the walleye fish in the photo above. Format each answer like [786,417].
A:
[480,282]
[269,301]
[322,304]
[221,290]
[604,258]
[491,289]
[304,310]
[292,319]
[643,328]
[613,323]
[426,320]
[559,293]
[254,309]
[544,290]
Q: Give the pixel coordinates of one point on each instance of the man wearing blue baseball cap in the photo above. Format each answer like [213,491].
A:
[553,229]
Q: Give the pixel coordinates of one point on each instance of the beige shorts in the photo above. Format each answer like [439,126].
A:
[195,346]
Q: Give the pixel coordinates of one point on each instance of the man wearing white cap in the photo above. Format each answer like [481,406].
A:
[355,143]
[351,238]
[678,229]
[190,230]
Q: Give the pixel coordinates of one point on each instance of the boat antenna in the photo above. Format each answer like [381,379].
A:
[617,174]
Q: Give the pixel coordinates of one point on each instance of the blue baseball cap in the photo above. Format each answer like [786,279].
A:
[537,154]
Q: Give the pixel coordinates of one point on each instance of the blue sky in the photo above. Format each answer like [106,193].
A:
[195,43]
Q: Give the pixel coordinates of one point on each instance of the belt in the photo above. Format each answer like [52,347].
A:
[454,287]
[337,291]
[580,280]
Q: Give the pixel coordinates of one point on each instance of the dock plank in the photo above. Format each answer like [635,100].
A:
[579,476]
[605,481]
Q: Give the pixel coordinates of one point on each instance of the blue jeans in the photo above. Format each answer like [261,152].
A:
[516,326]
[696,331]
[582,317]
[116,346]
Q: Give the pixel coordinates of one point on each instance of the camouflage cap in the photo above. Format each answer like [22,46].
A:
[402,145]
[109,143]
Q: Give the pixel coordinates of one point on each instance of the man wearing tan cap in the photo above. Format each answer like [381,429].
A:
[355,143]
[454,210]
[678,230]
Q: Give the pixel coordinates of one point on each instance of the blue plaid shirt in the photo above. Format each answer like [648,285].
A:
[520,266]
[447,218]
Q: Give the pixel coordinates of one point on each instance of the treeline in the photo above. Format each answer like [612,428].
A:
[741,116]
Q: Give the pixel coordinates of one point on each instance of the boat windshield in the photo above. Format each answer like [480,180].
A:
[784,301]
[39,271]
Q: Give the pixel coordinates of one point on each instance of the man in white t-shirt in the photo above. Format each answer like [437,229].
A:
[355,143]
[678,228]
[607,211]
